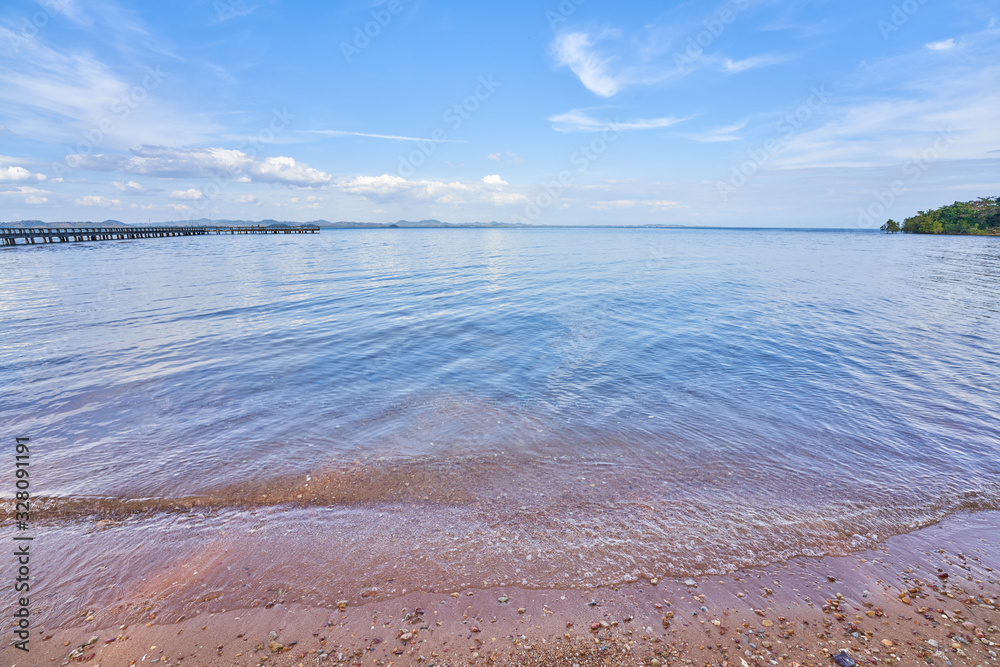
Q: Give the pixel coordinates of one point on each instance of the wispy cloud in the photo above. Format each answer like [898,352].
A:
[576,51]
[393,137]
[756,62]
[28,194]
[903,122]
[721,134]
[578,120]
[606,62]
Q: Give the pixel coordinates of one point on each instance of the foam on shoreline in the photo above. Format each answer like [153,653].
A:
[928,595]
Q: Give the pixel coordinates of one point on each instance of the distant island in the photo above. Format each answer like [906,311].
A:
[980,217]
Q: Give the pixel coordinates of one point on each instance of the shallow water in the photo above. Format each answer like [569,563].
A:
[305,417]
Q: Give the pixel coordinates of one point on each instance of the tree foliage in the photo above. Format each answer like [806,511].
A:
[890,227]
[981,216]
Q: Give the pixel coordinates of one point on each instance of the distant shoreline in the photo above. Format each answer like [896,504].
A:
[402,224]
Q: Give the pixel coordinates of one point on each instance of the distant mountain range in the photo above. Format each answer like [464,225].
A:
[205,222]
[324,224]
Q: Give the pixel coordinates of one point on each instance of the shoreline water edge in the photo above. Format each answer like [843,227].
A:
[927,597]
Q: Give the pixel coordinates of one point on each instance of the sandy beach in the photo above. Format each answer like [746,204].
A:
[928,597]
[484,334]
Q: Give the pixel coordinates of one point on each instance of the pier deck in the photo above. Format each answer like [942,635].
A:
[30,235]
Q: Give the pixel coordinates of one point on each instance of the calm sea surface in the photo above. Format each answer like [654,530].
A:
[310,417]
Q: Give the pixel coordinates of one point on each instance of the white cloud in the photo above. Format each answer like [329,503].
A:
[490,190]
[507,198]
[376,186]
[192,194]
[661,204]
[96,200]
[656,204]
[614,203]
[576,51]
[130,188]
[311,202]
[227,164]
[18,174]
[247,199]
[510,157]
[578,120]
[945,45]
[287,171]
[179,208]
[14,174]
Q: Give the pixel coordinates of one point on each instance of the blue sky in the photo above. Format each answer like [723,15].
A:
[738,113]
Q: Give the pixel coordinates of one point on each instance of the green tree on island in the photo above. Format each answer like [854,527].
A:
[891,227]
[980,217]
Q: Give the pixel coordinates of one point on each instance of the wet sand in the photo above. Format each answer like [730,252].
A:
[928,597]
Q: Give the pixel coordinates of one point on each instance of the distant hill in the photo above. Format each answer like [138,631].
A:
[325,224]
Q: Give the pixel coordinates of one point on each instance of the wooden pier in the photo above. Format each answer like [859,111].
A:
[10,235]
